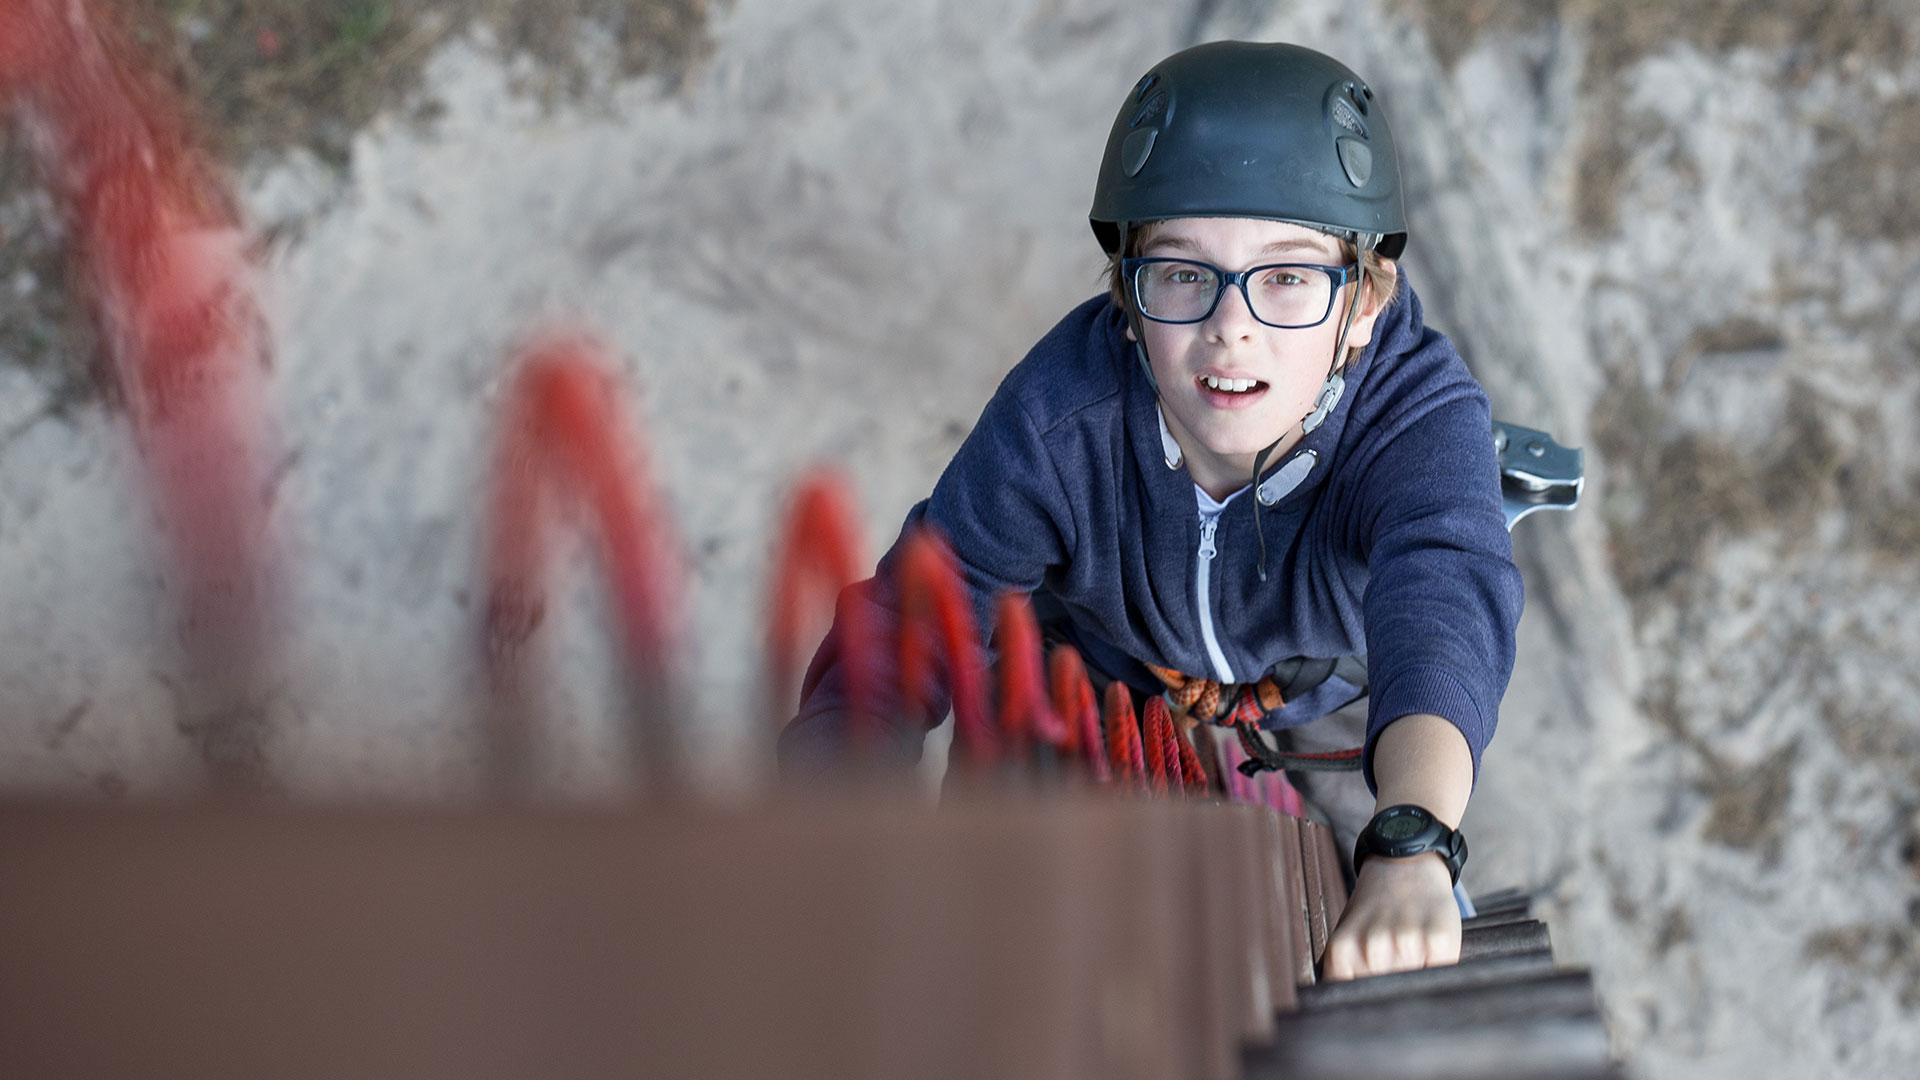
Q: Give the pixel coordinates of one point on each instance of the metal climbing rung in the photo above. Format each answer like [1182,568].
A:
[1536,473]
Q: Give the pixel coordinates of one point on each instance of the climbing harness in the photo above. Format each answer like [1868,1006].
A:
[1242,707]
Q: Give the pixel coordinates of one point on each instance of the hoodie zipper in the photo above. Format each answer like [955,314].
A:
[1203,580]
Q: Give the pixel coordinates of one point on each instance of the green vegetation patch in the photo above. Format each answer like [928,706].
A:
[263,76]
[275,73]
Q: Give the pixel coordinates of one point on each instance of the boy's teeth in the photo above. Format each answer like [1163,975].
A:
[1231,385]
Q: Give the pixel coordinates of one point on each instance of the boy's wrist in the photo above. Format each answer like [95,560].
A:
[1427,862]
[1423,759]
[1408,831]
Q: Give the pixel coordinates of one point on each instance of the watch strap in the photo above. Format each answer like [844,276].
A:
[1387,835]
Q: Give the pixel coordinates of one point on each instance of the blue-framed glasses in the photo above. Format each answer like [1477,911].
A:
[1287,296]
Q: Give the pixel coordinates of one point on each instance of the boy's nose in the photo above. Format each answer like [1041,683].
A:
[1231,316]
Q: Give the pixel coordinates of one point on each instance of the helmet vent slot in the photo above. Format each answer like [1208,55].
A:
[1153,107]
[1346,117]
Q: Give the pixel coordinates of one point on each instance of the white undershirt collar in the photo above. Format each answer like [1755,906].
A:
[1167,446]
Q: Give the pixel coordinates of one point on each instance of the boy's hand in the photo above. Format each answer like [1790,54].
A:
[1402,916]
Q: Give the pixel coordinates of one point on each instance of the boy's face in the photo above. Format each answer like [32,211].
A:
[1221,430]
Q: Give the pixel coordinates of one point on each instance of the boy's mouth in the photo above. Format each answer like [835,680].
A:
[1225,393]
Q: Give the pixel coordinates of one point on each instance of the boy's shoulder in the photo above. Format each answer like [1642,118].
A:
[1414,370]
[1081,363]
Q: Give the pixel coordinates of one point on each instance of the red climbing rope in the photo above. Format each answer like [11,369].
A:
[1163,756]
[563,433]
[162,260]
[1074,701]
[1027,713]
[1193,775]
[1125,751]
[818,557]
[934,608]
[159,243]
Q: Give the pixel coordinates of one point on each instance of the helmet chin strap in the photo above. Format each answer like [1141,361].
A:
[1133,324]
[1328,399]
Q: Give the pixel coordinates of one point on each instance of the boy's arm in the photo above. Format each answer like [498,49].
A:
[1402,913]
[1443,597]
[1442,602]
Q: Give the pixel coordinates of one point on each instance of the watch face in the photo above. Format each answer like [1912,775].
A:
[1400,827]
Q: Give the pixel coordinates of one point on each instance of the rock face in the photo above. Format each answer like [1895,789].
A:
[1686,242]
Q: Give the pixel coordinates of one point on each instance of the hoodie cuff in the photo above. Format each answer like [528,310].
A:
[1426,690]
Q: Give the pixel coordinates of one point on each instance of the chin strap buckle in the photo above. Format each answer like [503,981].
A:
[1330,393]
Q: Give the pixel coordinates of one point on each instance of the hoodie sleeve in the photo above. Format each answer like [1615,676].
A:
[1443,596]
[1002,508]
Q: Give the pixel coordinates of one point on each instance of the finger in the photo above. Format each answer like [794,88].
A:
[1377,950]
[1410,948]
[1443,944]
[1342,958]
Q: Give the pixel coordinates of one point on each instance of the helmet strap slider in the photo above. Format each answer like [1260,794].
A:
[1330,394]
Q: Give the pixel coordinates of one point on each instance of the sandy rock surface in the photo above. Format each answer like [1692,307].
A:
[1688,245]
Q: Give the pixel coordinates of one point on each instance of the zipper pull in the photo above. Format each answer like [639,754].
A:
[1207,525]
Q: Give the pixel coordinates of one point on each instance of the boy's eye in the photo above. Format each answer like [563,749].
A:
[1183,275]
[1284,278]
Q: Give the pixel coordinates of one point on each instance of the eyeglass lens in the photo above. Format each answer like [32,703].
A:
[1283,296]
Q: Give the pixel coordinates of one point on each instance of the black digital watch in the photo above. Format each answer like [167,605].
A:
[1401,832]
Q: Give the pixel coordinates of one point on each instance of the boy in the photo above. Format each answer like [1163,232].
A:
[1251,460]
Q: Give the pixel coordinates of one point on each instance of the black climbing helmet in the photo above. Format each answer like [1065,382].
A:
[1256,130]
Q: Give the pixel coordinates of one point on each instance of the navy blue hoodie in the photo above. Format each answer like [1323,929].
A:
[1392,546]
